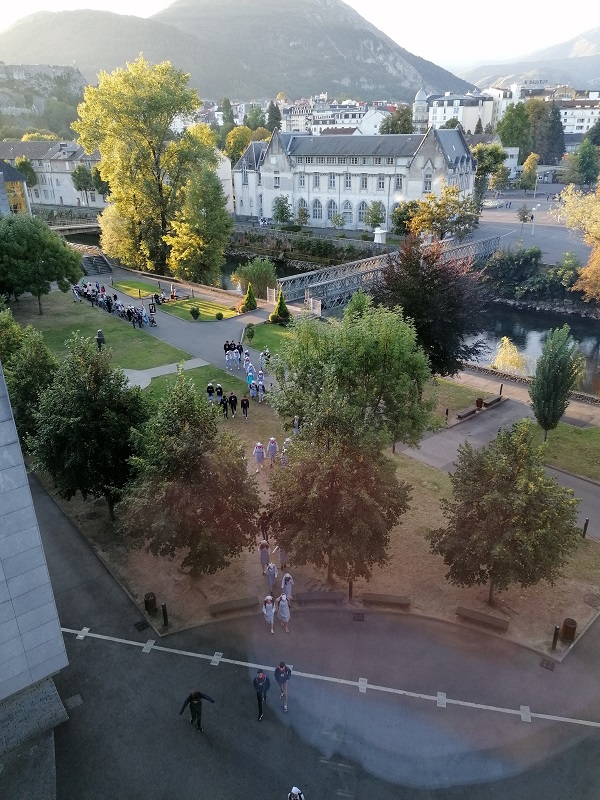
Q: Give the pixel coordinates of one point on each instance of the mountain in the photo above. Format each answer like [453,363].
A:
[575,62]
[237,48]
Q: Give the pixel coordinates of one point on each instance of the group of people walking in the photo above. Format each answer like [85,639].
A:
[98,296]
[275,602]
[260,453]
[228,403]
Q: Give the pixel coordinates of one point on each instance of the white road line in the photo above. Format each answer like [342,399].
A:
[441,699]
[523,712]
[214,662]
[362,685]
[148,646]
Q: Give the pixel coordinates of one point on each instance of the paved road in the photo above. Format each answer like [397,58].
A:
[125,738]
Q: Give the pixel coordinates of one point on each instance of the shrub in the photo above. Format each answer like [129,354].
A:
[242,308]
[250,300]
[281,310]
[294,228]
[366,237]
[249,333]
[260,272]
[219,315]
[195,312]
[274,318]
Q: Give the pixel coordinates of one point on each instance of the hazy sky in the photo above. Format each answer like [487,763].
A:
[451,34]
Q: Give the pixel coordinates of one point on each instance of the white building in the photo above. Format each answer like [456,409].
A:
[331,175]
[469,109]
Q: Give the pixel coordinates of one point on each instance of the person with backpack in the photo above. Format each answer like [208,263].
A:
[262,684]
[295,794]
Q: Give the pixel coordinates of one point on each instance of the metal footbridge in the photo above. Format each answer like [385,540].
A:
[334,286]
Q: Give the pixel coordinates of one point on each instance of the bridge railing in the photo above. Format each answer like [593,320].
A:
[294,286]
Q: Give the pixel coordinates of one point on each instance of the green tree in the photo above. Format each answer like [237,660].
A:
[452,123]
[489,158]
[25,167]
[82,180]
[29,371]
[99,185]
[227,112]
[129,117]
[443,299]
[398,122]
[500,179]
[508,270]
[59,116]
[250,299]
[556,137]
[508,521]
[529,175]
[538,112]
[448,213]
[282,209]
[401,217]
[524,215]
[39,136]
[594,134]
[374,214]
[260,272]
[201,231]
[569,169]
[32,257]
[192,496]
[281,312]
[489,128]
[237,141]
[11,334]
[83,425]
[588,281]
[255,118]
[335,505]
[338,221]
[557,372]
[302,216]
[260,135]
[374,362]
[514,130]
[273,117]
[588,163]
[478,127]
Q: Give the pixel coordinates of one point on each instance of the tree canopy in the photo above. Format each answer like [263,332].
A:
[529,176]
[448,213]
[25,167]
[237,141]
[442,298]
[260,272]
[398,122]
[32,257]
[130,117]
[508,521]
[490,159]
[255,118]
[273,117]
[514,130]
[192,496]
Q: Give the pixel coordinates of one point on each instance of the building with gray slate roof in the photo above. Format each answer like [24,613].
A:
[32,648]
[331,175]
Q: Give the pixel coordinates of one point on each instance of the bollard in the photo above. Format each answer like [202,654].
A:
[501,387]
[192,292]
[165,615]
[447,410]
[139,294]
[555,637]
[158,285]
[585,527]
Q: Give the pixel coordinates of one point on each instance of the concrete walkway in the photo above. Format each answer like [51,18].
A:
[143,377]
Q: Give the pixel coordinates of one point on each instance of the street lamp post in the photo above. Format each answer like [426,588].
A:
[533,214]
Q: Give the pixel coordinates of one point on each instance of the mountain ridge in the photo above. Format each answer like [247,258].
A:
[281,45]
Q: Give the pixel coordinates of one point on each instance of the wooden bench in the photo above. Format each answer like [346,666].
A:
[241,604]
[385,600]
[319,597]
[466,412]
[491,401]
[483,617]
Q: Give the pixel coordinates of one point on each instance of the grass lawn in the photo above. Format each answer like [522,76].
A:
[573,449]
[137,289]
[261,423]
[452,396]
[132,348]
[267,335]
[207,308]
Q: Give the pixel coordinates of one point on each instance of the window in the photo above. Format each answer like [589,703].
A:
[317,210]
[320,160]
[389,161]
[259,178]
[362,210]
[331,181]
[354,160]
[316,180]
[302,203]
[427,182]
[309,160]
[331,209]
[331,159]
[347,213]
[381,181]
[93,197]
[364,160]
[299,160]
[46,194]
[364,181]
[302,180]
[36,193]
[276,181]
[341,159]
[398,184]
[347,181]
[244,173]
[57,182]
[377,161]
[260,205]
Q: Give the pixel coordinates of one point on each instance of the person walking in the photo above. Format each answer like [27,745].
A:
[268,610]
[262,684]
[283,611]
[245,405]
[295,794]
[296,426]
[282,676]
[210,393]
[224,403]
[236,358]
[259,455]
[272,574]
[260,391]
[219,393]
[287,586]
[263,522]
[194,700]
[228,366]
[233,401]
[282,556]
[272,449]
[264,555]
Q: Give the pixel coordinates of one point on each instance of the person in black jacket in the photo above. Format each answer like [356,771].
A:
[245,404]
[262,685]
[195,703]
[233,403]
